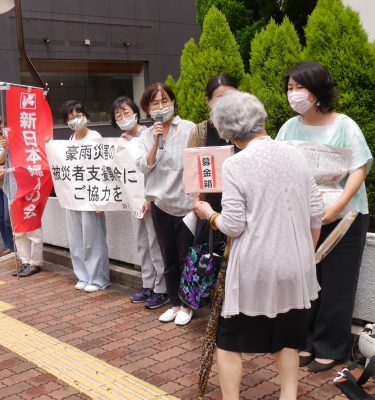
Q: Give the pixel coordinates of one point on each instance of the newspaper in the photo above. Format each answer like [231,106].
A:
[328,164]
[335,236]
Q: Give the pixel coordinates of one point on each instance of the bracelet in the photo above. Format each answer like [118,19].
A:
[210,214]
[212,220]
[151,166]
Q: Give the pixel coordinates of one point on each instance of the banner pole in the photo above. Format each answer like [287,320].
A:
[3,122]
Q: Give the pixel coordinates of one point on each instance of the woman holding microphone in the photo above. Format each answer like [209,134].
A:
[160,158]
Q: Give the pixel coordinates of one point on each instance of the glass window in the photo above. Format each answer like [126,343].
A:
[96,84]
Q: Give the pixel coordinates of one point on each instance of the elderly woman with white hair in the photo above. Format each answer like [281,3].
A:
[272,209]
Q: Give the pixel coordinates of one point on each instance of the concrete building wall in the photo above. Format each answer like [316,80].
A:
[155,29]
[366,9]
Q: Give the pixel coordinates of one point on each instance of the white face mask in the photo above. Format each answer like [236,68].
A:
[127,124]
[299,100]
[165,114]
[77,123]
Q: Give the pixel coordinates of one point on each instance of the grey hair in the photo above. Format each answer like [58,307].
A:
[238,115]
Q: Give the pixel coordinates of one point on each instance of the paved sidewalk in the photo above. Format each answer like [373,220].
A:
[105,325]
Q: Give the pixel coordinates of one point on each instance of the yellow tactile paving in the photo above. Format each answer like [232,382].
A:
[91,376]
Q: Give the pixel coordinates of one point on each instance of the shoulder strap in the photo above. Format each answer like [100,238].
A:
[202,133]
[351,387]
[368,372]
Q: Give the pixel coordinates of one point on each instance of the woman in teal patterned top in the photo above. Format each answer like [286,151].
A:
[311,94]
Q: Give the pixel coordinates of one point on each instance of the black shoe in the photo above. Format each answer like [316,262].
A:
[22,268]
[316,366]
[29,270]
[305,360]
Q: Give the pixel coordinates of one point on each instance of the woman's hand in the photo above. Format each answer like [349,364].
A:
[202,209]
[157,131]
[3,142]
[331,213]
[146,207]
[2,172]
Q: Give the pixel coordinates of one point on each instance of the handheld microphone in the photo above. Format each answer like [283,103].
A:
[159,118]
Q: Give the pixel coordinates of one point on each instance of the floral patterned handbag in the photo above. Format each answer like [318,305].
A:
[200,272]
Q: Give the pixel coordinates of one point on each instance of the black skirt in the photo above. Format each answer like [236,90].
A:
[260,334]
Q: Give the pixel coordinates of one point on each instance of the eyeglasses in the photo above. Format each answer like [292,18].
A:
[162,102]
[75,116]
[123,113]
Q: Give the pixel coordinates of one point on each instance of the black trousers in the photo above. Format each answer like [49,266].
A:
[331,314]
[174,241]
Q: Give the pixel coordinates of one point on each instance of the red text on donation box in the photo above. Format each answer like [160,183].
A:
[203,168]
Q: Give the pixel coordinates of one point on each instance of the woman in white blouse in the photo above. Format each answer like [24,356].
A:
[86,229]
[160,159]
[272,209]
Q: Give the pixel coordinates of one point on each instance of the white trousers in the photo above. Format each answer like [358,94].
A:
[152,265]
[29,247]
[88,247]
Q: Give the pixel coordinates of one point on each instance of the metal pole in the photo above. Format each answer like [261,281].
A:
[21,44]
[2,108]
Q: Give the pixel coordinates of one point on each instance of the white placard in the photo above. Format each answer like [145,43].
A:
[96,175]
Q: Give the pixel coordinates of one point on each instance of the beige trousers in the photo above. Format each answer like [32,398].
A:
[29,247]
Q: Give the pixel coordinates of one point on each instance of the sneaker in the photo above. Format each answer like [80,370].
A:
[80,285]
[5,252]
[29,270]
[22,268]
[157,300]
[141,296]
[91,288]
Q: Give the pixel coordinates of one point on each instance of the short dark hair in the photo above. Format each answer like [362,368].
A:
[72,105]
[217,81]
[117,104]
[317,80]
[150,93]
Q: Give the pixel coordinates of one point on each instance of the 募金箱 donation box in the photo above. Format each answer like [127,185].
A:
[203,168]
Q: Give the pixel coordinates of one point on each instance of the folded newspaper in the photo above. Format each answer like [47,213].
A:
[335,236]
[329,166]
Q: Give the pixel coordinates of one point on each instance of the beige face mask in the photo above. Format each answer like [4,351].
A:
[165,114]
[77,123]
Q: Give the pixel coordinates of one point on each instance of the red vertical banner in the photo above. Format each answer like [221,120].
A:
[29,120]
